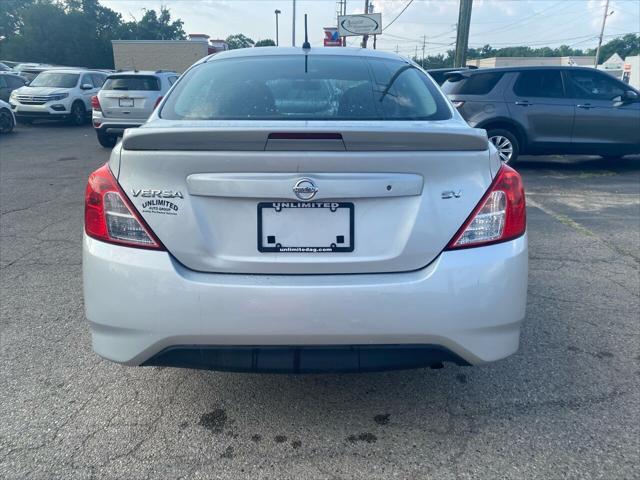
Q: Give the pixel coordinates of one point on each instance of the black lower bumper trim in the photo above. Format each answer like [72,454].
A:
[304,359]
[40,115]
[116,128]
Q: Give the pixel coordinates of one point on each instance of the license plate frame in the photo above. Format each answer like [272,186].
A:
[126,102]
[332,248]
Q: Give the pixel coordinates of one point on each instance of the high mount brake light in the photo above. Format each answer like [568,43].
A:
[109,215]
[499,216]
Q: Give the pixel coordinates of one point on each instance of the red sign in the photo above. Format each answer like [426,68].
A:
[331,37]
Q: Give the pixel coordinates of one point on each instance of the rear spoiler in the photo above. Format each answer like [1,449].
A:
[457,75]
[433,137]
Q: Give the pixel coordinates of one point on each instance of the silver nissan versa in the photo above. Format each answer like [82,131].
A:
[290,210]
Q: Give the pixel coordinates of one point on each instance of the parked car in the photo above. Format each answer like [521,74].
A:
[8,83]
[57,94]
[236,231]
[7,120]
[31,70]
[9,63]
[549,110]
[126,100]
[439,74]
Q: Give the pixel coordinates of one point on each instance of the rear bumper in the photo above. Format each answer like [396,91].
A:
[114,126]
[466,306]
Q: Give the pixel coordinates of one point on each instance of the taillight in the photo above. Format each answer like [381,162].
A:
[95,103]
[498,217]
[157,102]
[110,217]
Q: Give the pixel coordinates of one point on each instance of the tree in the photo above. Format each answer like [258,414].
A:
[239,41]
[11,16]
[154,27]
[74,32]
[267,42]
[626,46]
[38,23]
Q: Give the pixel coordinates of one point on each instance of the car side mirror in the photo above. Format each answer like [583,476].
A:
[86,86]
[629,96]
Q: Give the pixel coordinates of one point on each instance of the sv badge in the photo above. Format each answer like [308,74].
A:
[451,194]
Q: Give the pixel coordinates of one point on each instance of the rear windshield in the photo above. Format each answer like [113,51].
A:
[304,87]
[478,84]
[132,82]
[58,80]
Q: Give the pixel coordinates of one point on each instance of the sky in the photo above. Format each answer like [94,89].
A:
[499,23]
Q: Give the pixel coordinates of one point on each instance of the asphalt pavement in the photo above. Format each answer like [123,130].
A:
[567,405]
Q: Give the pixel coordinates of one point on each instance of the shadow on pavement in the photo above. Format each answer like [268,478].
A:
[571,163]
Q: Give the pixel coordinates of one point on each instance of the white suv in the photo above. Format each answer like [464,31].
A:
[63,94]
[126,100]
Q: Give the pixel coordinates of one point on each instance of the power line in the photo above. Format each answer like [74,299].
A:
[398,16]
[579,40]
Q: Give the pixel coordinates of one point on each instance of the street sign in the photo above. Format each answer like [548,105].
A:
[331,37]
[356,25]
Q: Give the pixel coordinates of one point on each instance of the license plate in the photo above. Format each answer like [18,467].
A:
[305,227]
[125,102]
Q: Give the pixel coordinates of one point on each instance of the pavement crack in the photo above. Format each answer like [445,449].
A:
[569,222]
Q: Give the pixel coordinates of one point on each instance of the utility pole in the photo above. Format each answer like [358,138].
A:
[424,44]
[293,25]
[462,38]
[344,12]
[415,56]
[604,20]
[277,12]
[365,37]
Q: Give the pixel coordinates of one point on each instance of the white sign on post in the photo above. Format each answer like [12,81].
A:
[356,25]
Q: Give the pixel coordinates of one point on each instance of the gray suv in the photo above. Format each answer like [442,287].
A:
[549,110]
[126,100]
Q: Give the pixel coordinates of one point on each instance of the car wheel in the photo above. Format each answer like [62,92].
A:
[506,143]
[106,140]
[78,114]
[6,121]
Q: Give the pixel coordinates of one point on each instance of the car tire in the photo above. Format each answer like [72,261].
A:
[506,143]
[106,140]
[78,115]
[6,121]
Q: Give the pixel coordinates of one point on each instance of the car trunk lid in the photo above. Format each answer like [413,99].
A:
[273,199]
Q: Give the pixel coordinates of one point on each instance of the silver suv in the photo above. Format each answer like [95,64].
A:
[126,100]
